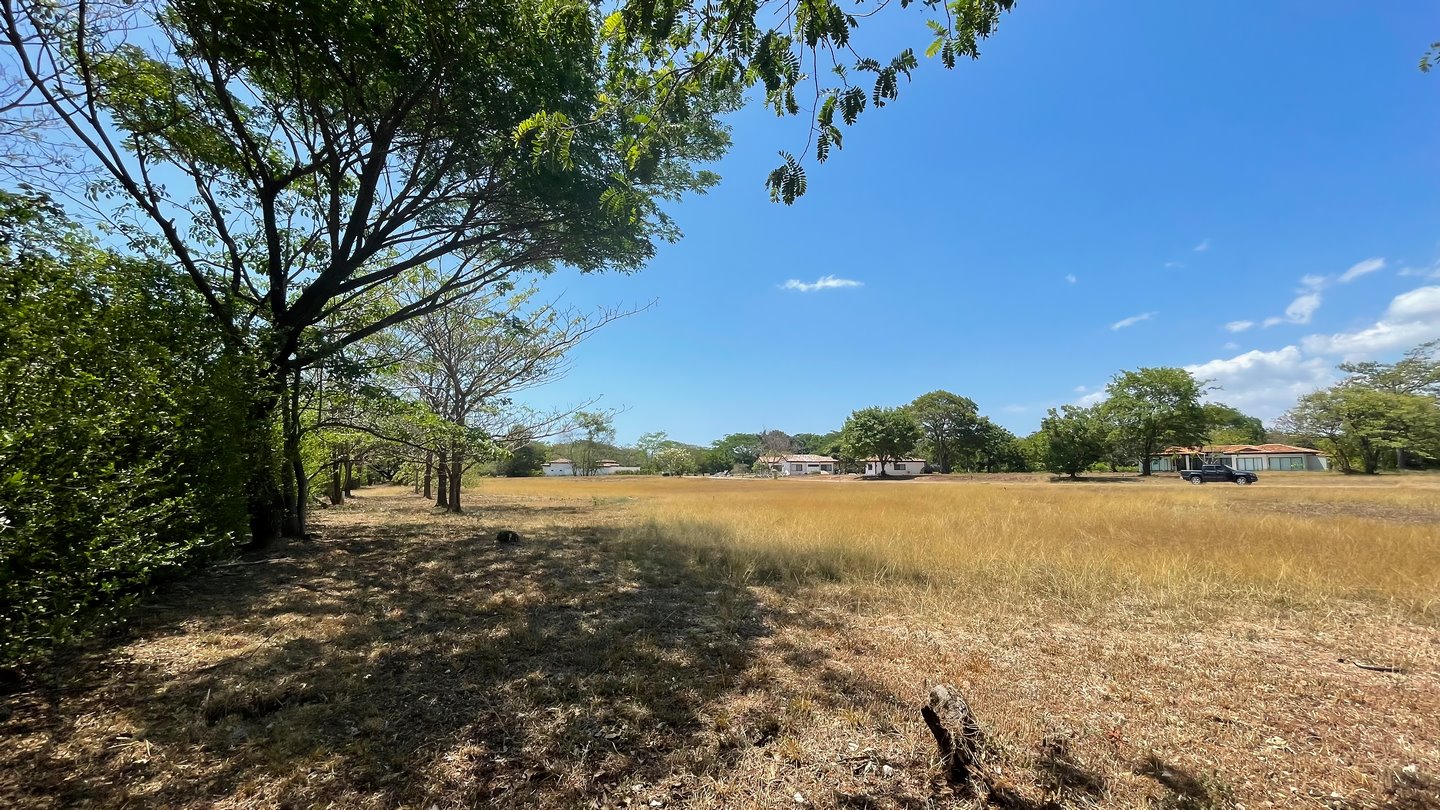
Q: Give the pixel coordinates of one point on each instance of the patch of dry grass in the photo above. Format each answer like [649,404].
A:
[721,644]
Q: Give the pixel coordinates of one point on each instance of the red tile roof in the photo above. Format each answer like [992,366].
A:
[799,457]
[1230,449]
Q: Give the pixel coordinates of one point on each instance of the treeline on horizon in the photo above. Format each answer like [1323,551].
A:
[1381,416]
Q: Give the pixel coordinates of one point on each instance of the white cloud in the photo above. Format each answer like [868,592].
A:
[1132,320]
[1362,268]
[1230,346]
[1239,326]
[1173,265]
[822,283]
[1299,311]
[1433,271]
[1265,384]
[1203,246]
[1091,398]
[1070,277]
[1310,281]
[1080,389]
[1411,319]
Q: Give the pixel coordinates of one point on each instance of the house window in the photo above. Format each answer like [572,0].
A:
[797,468]
[826,467]
[1249,463]
[899,466]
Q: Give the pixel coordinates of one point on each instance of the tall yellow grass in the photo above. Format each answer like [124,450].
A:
[1152,541]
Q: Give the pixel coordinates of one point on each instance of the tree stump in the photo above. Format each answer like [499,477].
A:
[957,735]
[507,537]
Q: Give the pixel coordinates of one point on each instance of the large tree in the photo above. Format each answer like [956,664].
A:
[295,159]
[1151,408]
[1072,440]
[885,434]
[951,425]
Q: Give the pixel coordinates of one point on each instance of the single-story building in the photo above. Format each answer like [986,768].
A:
[899,466]
[605,466]
[801,464]
[1252,457]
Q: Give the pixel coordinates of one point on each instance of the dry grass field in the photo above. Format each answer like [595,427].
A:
[739,643]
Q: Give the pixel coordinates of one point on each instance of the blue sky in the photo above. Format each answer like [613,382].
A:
[1109,187]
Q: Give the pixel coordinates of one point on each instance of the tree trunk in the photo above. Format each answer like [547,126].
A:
[457,473]
[349,477]
[297,489]
[1369,457]
[337,491]
[442,480]
[429,472]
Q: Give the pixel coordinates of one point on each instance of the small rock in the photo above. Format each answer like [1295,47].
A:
[887,771]
[800,798]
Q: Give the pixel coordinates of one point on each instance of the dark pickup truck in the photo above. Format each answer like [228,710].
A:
[1219,472]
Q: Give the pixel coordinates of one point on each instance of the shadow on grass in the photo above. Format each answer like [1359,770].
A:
[408,662]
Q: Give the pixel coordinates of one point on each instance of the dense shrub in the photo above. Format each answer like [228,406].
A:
[123,431]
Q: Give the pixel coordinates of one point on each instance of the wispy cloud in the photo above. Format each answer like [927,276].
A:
[1239,326]
[1299,311]
[1070,277]
[1362,268]
[1433,271]
[1080,389]
[1230,346]
[1203,246]
[1132,320]
[822,283]
[1173,265]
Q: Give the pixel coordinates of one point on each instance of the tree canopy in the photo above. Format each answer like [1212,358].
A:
[1151,408]
[885,434]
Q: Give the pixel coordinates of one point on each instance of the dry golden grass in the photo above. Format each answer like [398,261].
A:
[1079,543]
[735,644]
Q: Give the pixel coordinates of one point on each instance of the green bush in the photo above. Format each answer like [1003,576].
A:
[123,431]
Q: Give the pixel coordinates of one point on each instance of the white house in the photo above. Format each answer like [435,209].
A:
[605,466]
[899,466]
[802,464]
[1253,457]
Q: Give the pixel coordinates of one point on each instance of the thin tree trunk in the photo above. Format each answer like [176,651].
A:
[349,477]
[442,479]
[337,492]
[457,473]
[296,484]
[429,472]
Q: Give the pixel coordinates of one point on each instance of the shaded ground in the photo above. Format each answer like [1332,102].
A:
[403,659]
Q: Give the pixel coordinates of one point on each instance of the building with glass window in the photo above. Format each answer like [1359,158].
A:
[1252,457]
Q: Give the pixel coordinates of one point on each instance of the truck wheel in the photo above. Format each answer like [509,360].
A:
[1197,479]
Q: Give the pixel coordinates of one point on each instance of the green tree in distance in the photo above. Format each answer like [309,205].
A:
[1152,408]
[951,426]
[884,434]
[1226,425]
[1072,440]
